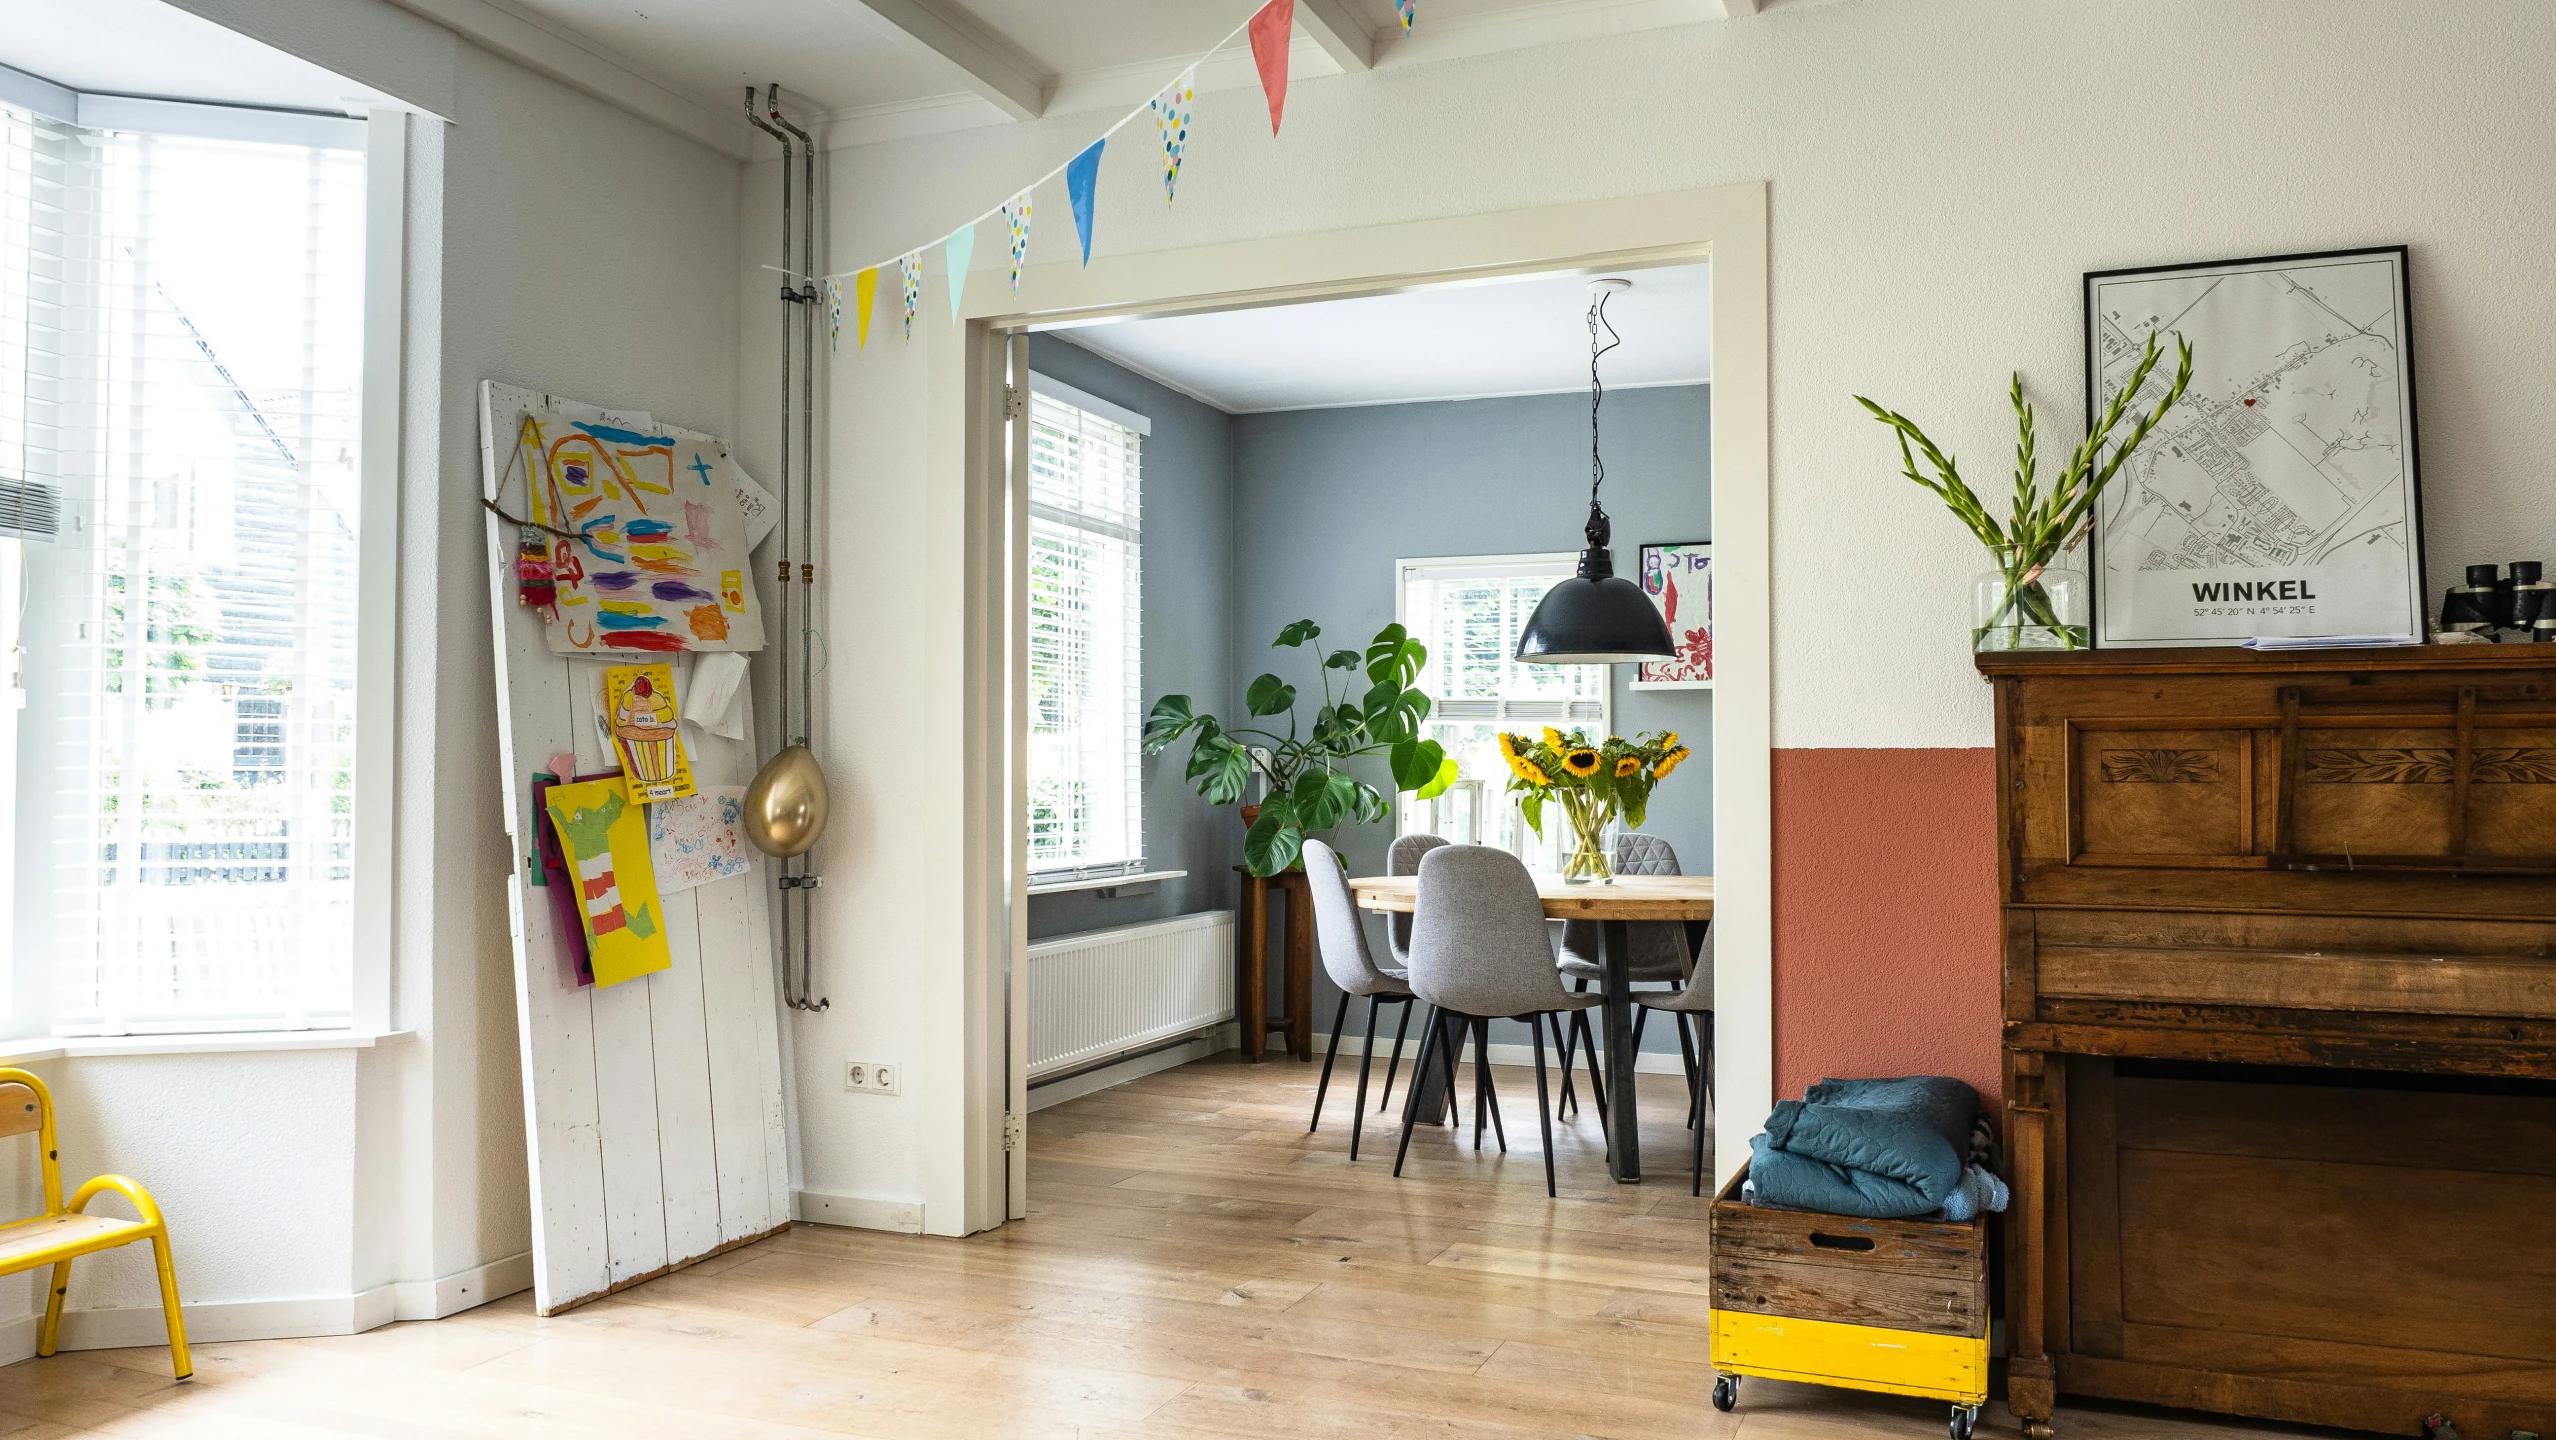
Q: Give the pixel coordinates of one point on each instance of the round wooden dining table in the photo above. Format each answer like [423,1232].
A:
[1610,903]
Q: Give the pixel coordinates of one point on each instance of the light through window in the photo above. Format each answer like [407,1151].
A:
[181,349]
[1086,594]
[1468,611]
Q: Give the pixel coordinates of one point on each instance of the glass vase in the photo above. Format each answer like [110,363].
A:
[2019,606]
[1587,862]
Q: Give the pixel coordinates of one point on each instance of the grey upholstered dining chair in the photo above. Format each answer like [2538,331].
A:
[1402,858]
[1690,1008]
[1663,953]
[1345,957]
[1480,951]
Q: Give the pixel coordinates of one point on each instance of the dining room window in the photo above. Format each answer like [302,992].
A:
[1086,603]
[1468,611]
[181,355]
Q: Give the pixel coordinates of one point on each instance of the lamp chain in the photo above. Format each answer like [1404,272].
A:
[1597,388]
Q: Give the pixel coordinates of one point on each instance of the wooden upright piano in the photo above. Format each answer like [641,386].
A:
[2280,1032]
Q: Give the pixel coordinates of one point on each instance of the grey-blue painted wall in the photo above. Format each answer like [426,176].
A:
[1326,501]
[1189,586]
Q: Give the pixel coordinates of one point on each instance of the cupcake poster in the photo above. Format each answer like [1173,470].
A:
[639,706]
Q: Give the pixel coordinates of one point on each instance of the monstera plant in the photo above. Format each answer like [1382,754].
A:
[1310,787]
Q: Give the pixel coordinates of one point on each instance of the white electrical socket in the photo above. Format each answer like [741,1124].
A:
[870,1076]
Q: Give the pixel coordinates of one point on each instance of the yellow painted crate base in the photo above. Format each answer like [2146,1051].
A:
[1855,1357]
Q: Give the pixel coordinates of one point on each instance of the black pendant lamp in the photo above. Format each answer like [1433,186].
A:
[1597,617]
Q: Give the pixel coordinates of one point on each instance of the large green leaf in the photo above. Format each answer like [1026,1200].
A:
[1171,716]
[1448,772]
[1341,660]
[1393,655]
[1274,841]
[1371,806]
[1320,798]
[1270,695]
[1296,634]
[1531,809]
[1416,763]
[1219,768]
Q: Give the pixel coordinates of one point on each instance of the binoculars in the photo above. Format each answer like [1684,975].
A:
[2487,605]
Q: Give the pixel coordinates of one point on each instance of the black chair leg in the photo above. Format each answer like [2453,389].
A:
[1686,1051]
[1641,1022]
[1589,1051]
[1338,1019]
[1396,1058]
[1451,1055]
[1429,1036]
[1482,1082]
[1543,1103]
[1562,1048]
[1366,1058]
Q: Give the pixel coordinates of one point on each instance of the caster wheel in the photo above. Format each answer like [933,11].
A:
[1964,1418]
[2038,1430]
[1725,1392]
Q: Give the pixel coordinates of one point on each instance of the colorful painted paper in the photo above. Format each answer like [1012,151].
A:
[658,531]
[1679,580]
[1171,117]
[699,840]
[865,293]
[956,252]
[1082,175]
[639,706]
[567,912]
[1016,219]
[604,838]
[1404,8]
[1272,30]
[911,266]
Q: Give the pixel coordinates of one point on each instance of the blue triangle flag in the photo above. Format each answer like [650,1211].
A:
[959,249]
[1081,176]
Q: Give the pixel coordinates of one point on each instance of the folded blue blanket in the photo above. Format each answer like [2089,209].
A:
[1880,1149]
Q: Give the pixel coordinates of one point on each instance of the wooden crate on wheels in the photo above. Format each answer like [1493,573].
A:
[1898,1306]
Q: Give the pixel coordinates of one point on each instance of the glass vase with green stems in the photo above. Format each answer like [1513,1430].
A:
[1310,787]
[2041,524]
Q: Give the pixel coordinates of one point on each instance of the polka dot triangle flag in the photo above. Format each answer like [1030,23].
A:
[1171,116]
[1404,8]
[911,264]
[833,315]
[1016,218]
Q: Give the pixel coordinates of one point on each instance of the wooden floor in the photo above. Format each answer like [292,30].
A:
[1195,1265]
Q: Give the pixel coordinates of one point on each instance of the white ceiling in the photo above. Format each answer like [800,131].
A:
[144,47]
[1525,336]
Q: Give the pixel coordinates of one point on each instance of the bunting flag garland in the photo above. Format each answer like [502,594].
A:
[957,251]
[1082,174]
[833,314]
[1171,116]
[1271,30]
[1016,218]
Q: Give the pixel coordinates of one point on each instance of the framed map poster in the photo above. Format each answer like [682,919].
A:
[2278,497]
[1679,579]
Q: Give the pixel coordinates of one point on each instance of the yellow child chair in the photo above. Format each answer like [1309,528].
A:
[62,1234]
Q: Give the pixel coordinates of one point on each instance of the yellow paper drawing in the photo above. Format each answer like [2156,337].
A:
[606,838]
[639,701]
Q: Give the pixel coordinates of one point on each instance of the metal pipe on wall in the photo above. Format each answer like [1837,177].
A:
[810,307]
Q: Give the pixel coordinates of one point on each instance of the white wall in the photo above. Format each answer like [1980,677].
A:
[557,242]
[1941,172]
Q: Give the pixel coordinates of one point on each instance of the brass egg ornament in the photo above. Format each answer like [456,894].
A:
[785,807]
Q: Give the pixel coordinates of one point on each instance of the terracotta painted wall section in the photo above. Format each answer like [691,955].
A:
[1885,916]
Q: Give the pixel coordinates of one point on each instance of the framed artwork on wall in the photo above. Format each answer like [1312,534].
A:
[1678,576]
[2278,497]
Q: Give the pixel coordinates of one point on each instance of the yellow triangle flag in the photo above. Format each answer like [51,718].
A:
[865,288]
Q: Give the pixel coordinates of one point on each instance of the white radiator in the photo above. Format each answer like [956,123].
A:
[1104,993]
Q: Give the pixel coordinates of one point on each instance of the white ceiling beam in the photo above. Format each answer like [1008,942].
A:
[585,64]
[1011,82]
[1334,25]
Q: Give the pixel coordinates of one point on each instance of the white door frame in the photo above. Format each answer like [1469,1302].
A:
[967,459]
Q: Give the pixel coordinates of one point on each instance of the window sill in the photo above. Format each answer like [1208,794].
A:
[72,1047]
[1105,882]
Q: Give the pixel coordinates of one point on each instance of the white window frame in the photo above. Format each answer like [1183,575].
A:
[1487,794]
[384,138]
[1057,878]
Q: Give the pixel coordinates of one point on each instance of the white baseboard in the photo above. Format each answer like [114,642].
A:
[142,1326]
[1057,1092]
[858,1212]
[1648,1062]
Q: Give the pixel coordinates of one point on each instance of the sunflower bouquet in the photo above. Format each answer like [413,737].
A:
[1593,781]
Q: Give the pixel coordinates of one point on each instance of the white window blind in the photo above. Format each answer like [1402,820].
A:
[1468,611]
[180,359]
[1086,594]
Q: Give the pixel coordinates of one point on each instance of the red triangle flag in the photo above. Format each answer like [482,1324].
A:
[1271,32]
